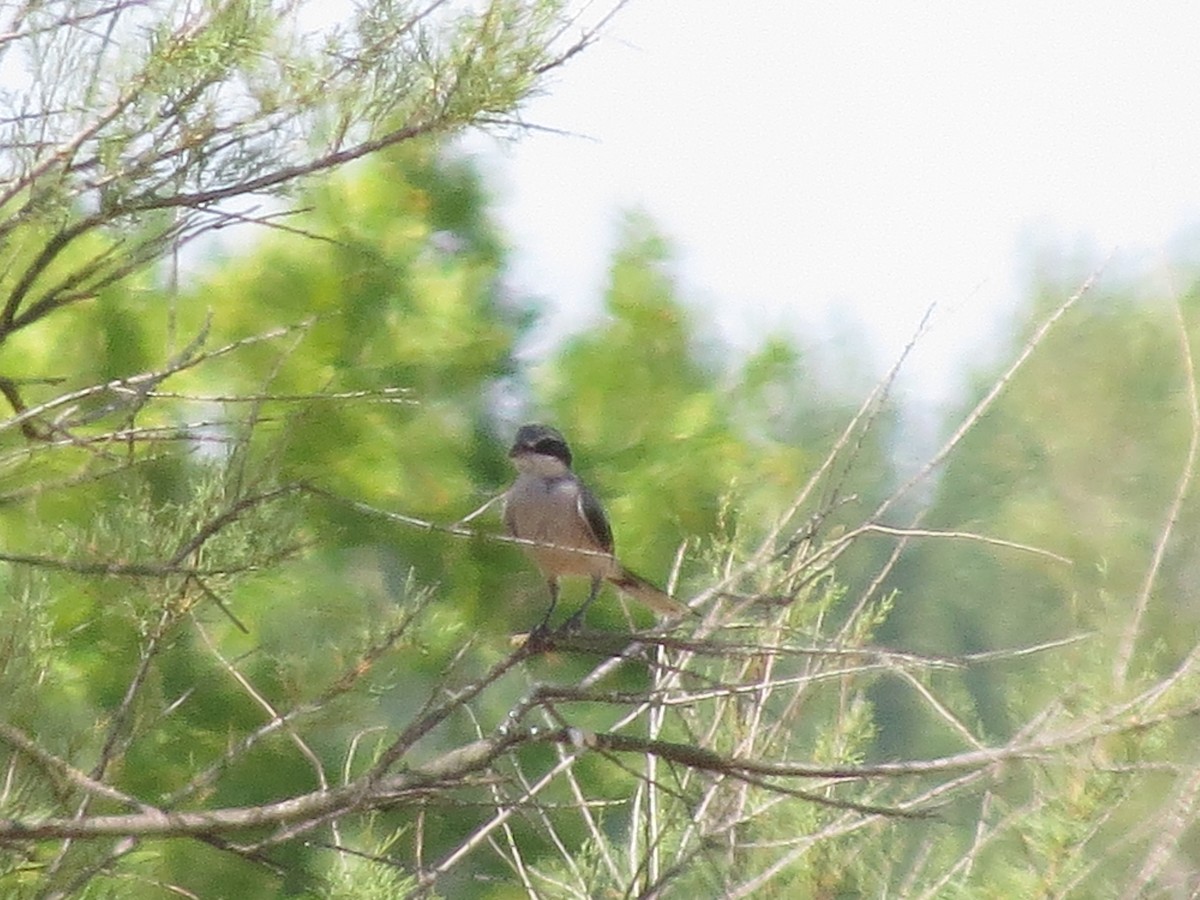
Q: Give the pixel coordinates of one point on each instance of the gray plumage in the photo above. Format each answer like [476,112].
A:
[550,505]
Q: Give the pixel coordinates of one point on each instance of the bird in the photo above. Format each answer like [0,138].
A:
[549,505]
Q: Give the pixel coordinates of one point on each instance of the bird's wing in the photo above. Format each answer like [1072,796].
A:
[593,514]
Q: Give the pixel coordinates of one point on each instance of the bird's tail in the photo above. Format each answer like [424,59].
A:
[647,594]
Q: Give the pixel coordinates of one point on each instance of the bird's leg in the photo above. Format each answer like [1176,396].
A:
[551,583]
[576,621]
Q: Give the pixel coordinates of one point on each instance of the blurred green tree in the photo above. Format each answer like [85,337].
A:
[245,652]
[1116,376]
[1087,453]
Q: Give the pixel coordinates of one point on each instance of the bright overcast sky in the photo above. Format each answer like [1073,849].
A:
[851,160]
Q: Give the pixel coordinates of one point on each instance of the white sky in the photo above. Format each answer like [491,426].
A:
[815,163]
[823,163]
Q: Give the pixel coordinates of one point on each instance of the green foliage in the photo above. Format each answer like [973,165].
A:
[1022,475]
[1082,455]
[226,580]
[639,392]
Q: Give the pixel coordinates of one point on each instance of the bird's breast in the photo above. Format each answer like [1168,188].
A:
[547,510]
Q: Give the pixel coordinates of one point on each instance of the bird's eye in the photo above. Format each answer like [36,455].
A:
[547,445]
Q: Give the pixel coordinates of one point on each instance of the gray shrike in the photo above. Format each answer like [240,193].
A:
[549,504]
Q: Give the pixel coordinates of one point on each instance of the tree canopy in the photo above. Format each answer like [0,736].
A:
[257,637]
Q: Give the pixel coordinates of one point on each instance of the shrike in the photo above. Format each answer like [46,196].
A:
[550,505]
